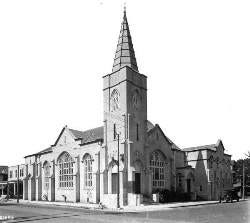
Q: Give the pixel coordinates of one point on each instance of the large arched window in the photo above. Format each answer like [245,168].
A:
[157,164]
[46,171]
[87,163]
[65,163]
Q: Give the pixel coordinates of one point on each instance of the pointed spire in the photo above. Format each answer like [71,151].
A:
[125,54]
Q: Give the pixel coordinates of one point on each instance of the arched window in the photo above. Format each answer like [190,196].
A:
[157,164]
[87,163]
[210,162]
[65,163]
[46,171]
[136,99]
[115,100]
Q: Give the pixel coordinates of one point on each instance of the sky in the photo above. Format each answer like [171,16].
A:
[53,55]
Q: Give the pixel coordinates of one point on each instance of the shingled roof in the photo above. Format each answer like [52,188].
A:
[95,134]
[88,136]
[47,150]
[205,147]
[211,147]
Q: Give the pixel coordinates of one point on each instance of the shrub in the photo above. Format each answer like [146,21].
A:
[171,196]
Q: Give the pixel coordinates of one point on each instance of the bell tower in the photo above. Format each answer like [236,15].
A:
[125,113]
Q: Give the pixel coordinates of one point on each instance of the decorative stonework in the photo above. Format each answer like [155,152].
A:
[114,100]
[138,155]
[136,99]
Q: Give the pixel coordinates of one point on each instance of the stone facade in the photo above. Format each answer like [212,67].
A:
[212,169]
[127,156]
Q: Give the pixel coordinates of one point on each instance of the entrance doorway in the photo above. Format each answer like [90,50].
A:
[114,183]
[137,183]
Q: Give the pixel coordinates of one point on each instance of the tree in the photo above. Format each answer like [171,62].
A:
[238,171]
[247,154]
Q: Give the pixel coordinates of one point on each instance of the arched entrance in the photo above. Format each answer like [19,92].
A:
[138,167]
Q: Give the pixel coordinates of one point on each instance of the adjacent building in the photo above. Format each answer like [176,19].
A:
[15,180]
[213,172]
[3,179]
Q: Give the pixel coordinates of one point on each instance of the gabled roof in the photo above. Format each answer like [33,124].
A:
[95,134]
[173,145]
[88,136]
[125,54]
[205,147]
[211,147]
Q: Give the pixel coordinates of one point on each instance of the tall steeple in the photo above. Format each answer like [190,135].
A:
[125,54]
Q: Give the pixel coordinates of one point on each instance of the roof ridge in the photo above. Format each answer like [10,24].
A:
[87,136]
[199,146]
[85,130]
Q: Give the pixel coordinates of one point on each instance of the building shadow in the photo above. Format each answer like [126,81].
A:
[8,204]
[119,213]
[44,217]
[201,180]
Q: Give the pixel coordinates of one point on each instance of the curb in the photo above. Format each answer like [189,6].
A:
[166,207]
[148,208]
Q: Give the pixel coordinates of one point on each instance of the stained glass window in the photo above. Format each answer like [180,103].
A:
[157,166]
[65,163]
[87,162]
[46,170]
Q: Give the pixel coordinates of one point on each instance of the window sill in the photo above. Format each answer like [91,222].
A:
[63,188]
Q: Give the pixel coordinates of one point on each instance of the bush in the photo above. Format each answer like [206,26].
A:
[164,195]
[171,196]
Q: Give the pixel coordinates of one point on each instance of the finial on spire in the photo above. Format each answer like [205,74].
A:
[124,8]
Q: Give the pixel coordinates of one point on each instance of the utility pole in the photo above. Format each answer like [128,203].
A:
[243,187]
[118,170]
[17,184]
[8,190]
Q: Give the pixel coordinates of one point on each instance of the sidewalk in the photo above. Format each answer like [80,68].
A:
[57,203]
[141,208]
[161,207]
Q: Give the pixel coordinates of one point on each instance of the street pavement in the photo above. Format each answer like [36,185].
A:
[238,212]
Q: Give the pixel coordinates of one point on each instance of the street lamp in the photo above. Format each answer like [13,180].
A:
[243,172]
[17,184]
[118,170]
[117,136]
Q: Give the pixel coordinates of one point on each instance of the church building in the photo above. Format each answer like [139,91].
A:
[127,159]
